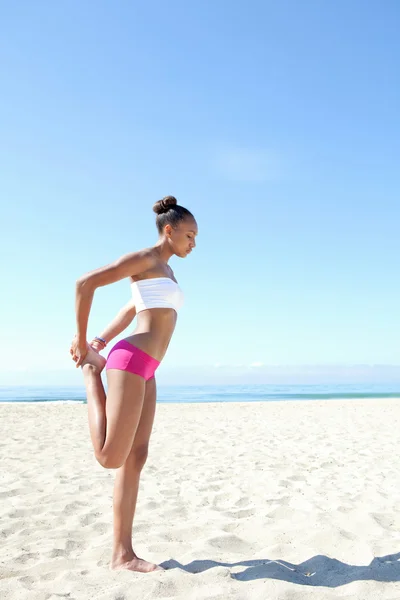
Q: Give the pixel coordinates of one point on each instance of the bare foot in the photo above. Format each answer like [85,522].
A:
[134,564]
[94,359]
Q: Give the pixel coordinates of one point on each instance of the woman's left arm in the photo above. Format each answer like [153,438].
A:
[123,319]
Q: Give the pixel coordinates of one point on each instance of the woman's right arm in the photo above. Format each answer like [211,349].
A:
[130,264]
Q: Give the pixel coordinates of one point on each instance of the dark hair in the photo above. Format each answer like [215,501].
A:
[169,212]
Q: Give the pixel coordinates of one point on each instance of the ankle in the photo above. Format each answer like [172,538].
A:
[123,550]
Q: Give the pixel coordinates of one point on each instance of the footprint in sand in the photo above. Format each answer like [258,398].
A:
[230,543]
[244,501]
[152,505]
[57,553]
[72,545]
[73,507]
[347,535]
[26,557]
[19,513]
[210,488]
[231,527]
[101,528]
[163,589]
[15,492]
[89,518]
[50,576]
[386,521]
[221,500]
[240,514]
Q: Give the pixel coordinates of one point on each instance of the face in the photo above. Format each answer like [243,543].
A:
[183,237]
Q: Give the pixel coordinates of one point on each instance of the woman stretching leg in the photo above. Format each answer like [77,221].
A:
[120,425]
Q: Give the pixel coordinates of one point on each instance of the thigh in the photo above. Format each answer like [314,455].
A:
[143,432]
[125,399]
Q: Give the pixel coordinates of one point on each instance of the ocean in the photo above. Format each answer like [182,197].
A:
[215,393]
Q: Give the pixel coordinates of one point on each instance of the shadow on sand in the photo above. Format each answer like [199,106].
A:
[317,571]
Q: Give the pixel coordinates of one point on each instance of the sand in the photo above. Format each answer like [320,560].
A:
[260,501]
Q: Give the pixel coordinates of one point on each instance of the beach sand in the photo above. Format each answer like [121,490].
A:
[260,501]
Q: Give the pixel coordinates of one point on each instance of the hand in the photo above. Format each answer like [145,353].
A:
[96,345]
[78,350]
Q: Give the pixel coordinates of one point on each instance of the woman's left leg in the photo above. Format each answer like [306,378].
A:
[126,489]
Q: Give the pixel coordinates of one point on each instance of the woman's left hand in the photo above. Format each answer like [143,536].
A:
[96,345]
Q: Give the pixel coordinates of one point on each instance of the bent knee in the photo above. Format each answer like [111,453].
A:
[109,460]
[136,458]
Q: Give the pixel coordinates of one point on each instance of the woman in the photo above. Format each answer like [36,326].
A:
[120,425]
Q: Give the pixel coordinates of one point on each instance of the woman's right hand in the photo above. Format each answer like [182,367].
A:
[78,350]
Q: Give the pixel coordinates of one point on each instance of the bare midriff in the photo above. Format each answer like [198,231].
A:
[154,330]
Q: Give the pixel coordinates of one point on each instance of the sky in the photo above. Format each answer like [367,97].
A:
[275,123]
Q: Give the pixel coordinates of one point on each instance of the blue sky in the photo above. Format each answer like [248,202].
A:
[276,124]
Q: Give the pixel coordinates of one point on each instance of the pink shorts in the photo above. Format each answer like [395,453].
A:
[126,357]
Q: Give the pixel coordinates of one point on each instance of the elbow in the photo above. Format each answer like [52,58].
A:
[84,283]
[80,283]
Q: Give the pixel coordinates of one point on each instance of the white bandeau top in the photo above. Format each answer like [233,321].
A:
[158,292]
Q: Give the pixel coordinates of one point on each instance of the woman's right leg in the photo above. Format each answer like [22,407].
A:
[112,424]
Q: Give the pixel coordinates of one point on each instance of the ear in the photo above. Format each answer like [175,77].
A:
[168,230]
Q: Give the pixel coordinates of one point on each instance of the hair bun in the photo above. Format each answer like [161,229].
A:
[163,206]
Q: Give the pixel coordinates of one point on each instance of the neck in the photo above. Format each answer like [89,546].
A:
[163,250]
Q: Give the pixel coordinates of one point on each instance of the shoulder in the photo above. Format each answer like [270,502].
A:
[142,261]
[145,256]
